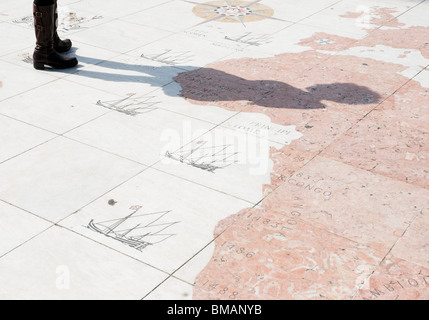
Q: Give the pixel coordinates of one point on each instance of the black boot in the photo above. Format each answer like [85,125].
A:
[44,53]
[59,45]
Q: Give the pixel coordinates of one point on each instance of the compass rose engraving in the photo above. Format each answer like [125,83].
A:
[232,11]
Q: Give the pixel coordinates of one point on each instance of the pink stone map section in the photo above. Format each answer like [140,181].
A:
[346,215]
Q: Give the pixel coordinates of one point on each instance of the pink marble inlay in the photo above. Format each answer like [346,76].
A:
[270,255]
[414,244]
[375,16]
[351,190]
[354,203]
[396,279]
[393,140]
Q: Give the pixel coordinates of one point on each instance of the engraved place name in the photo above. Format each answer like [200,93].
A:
[274,132]
[235,250]
[226,45]
[246,129]
[309,183]
[250,38]
[236,286]
[274,129]
[196,33]
[419,282]
[281,225]
[224,291]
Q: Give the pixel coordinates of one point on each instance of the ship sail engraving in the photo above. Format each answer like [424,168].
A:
[205,157]
[170,57]
[137,230]
[131,105]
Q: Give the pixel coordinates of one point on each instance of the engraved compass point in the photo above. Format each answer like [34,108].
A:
[233,11]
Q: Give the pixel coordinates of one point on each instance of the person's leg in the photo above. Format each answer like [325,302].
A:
[60,45]
[42,3]
[44,53]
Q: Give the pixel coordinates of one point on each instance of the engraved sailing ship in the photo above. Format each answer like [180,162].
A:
[251,39]
[205,157]
[170,57]
[68,21]
[137,230]
[130,105]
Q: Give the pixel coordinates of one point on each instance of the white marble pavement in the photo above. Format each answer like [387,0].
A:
[113,137]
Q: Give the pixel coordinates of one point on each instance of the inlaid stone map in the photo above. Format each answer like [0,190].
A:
[217,150]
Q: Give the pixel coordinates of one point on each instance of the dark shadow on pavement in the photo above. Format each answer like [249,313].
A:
[211,85]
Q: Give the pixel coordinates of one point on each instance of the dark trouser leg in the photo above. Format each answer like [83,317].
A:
[42,3]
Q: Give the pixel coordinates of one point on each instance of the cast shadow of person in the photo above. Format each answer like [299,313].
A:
[211,85]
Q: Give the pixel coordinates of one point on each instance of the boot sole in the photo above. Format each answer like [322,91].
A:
[41,65]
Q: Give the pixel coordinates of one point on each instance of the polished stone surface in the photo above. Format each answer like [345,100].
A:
[217,150]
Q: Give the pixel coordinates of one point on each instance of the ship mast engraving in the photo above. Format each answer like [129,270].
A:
[208,158]
[131,233]
[131,105]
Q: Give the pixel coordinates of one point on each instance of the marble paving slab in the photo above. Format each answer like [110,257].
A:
[392,140]
[114,37]
[17,137]
[47,181]
[172,229]
[87,56]
[18,227]
[56,107]
[50,272]
[16,83]
[390,206]
[171,289]
[283,259]
[15,37]
[396,279]
[124,74]
[147,136]
[260,264]
[359,17]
